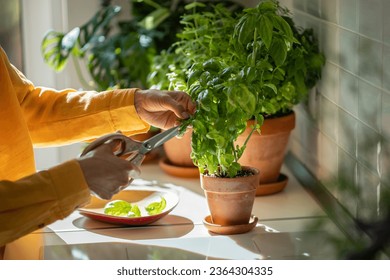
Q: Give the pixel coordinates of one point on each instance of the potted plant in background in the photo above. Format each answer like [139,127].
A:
[116,53]
[296,71]
[119,53]
[267,64]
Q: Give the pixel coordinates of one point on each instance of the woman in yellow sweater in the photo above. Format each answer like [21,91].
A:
[32,116]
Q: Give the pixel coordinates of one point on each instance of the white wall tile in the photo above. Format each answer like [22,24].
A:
[386,22]
[347,133]
[385,127]
[329,85]
[328,162]
[349,92]
[328,118]
[368,147]
[313,7]
[385,162]
[370,99]
[348,59]
[330,10]
[347,181]
[370,60]
[348,14]
[369,186]
[329,42]
[299,5]
[354,108]
[371,19]
[386,67]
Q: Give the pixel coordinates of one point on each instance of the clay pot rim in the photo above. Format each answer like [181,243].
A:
[228,189]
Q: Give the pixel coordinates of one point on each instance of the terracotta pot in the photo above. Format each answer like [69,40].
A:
[266,151]
[230,200]
[178,150]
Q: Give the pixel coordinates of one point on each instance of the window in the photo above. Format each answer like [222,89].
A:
[10,31]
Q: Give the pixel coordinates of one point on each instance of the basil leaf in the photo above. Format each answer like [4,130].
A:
[278,51]
[117,208]
[155,208]
[134,212]
[265,30]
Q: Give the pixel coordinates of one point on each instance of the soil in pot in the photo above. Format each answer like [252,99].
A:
[230,200]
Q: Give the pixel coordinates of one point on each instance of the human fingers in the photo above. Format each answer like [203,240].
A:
[184,100]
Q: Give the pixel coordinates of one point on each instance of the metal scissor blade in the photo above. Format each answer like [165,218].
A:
[159,139]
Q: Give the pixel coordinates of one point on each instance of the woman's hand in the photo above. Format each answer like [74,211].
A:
[105,173]
[163,109]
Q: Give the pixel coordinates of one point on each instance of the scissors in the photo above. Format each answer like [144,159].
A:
[133,150]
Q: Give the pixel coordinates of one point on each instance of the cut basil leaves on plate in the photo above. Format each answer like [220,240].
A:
[123,208]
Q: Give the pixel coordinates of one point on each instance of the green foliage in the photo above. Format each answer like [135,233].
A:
[118,54]
[155,208]
[123,208]
[237,66]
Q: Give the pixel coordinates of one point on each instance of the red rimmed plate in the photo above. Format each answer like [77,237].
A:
[142,196]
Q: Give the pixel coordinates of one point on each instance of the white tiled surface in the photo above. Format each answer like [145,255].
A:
[181,231]
[354,96]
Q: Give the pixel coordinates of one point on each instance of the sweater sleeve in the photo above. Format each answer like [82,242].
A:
[58,117]
[52,194]
[64,117]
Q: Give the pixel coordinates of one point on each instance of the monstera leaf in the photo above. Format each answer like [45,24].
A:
[58,46]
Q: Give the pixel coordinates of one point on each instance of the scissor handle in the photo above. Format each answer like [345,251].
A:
[107,139]
[136,159]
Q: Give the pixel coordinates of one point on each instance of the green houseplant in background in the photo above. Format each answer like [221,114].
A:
[250,65]
[118,53]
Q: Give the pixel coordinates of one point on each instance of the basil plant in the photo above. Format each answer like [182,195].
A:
[241,65]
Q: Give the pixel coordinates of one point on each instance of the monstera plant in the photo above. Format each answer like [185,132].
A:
[118,53]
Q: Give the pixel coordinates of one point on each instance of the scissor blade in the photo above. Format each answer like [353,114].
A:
[159,139]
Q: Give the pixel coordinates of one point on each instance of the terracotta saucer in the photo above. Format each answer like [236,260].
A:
[274,187]
[178,171]
[228,230]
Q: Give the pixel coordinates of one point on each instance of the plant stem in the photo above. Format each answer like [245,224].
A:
[250,134]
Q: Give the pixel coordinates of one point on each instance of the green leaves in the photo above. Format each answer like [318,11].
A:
[243,30]
[155,208]
[278,51]
[123,208]
[56,46]
[156,17]
[54,53]
[194,5]
[264,68]
[265,28]
[239,95]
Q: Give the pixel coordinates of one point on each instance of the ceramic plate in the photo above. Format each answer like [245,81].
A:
[142,196]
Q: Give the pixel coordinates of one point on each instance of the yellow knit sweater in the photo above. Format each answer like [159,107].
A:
[33,116]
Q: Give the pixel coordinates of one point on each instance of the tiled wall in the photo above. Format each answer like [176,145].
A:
[343,131]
